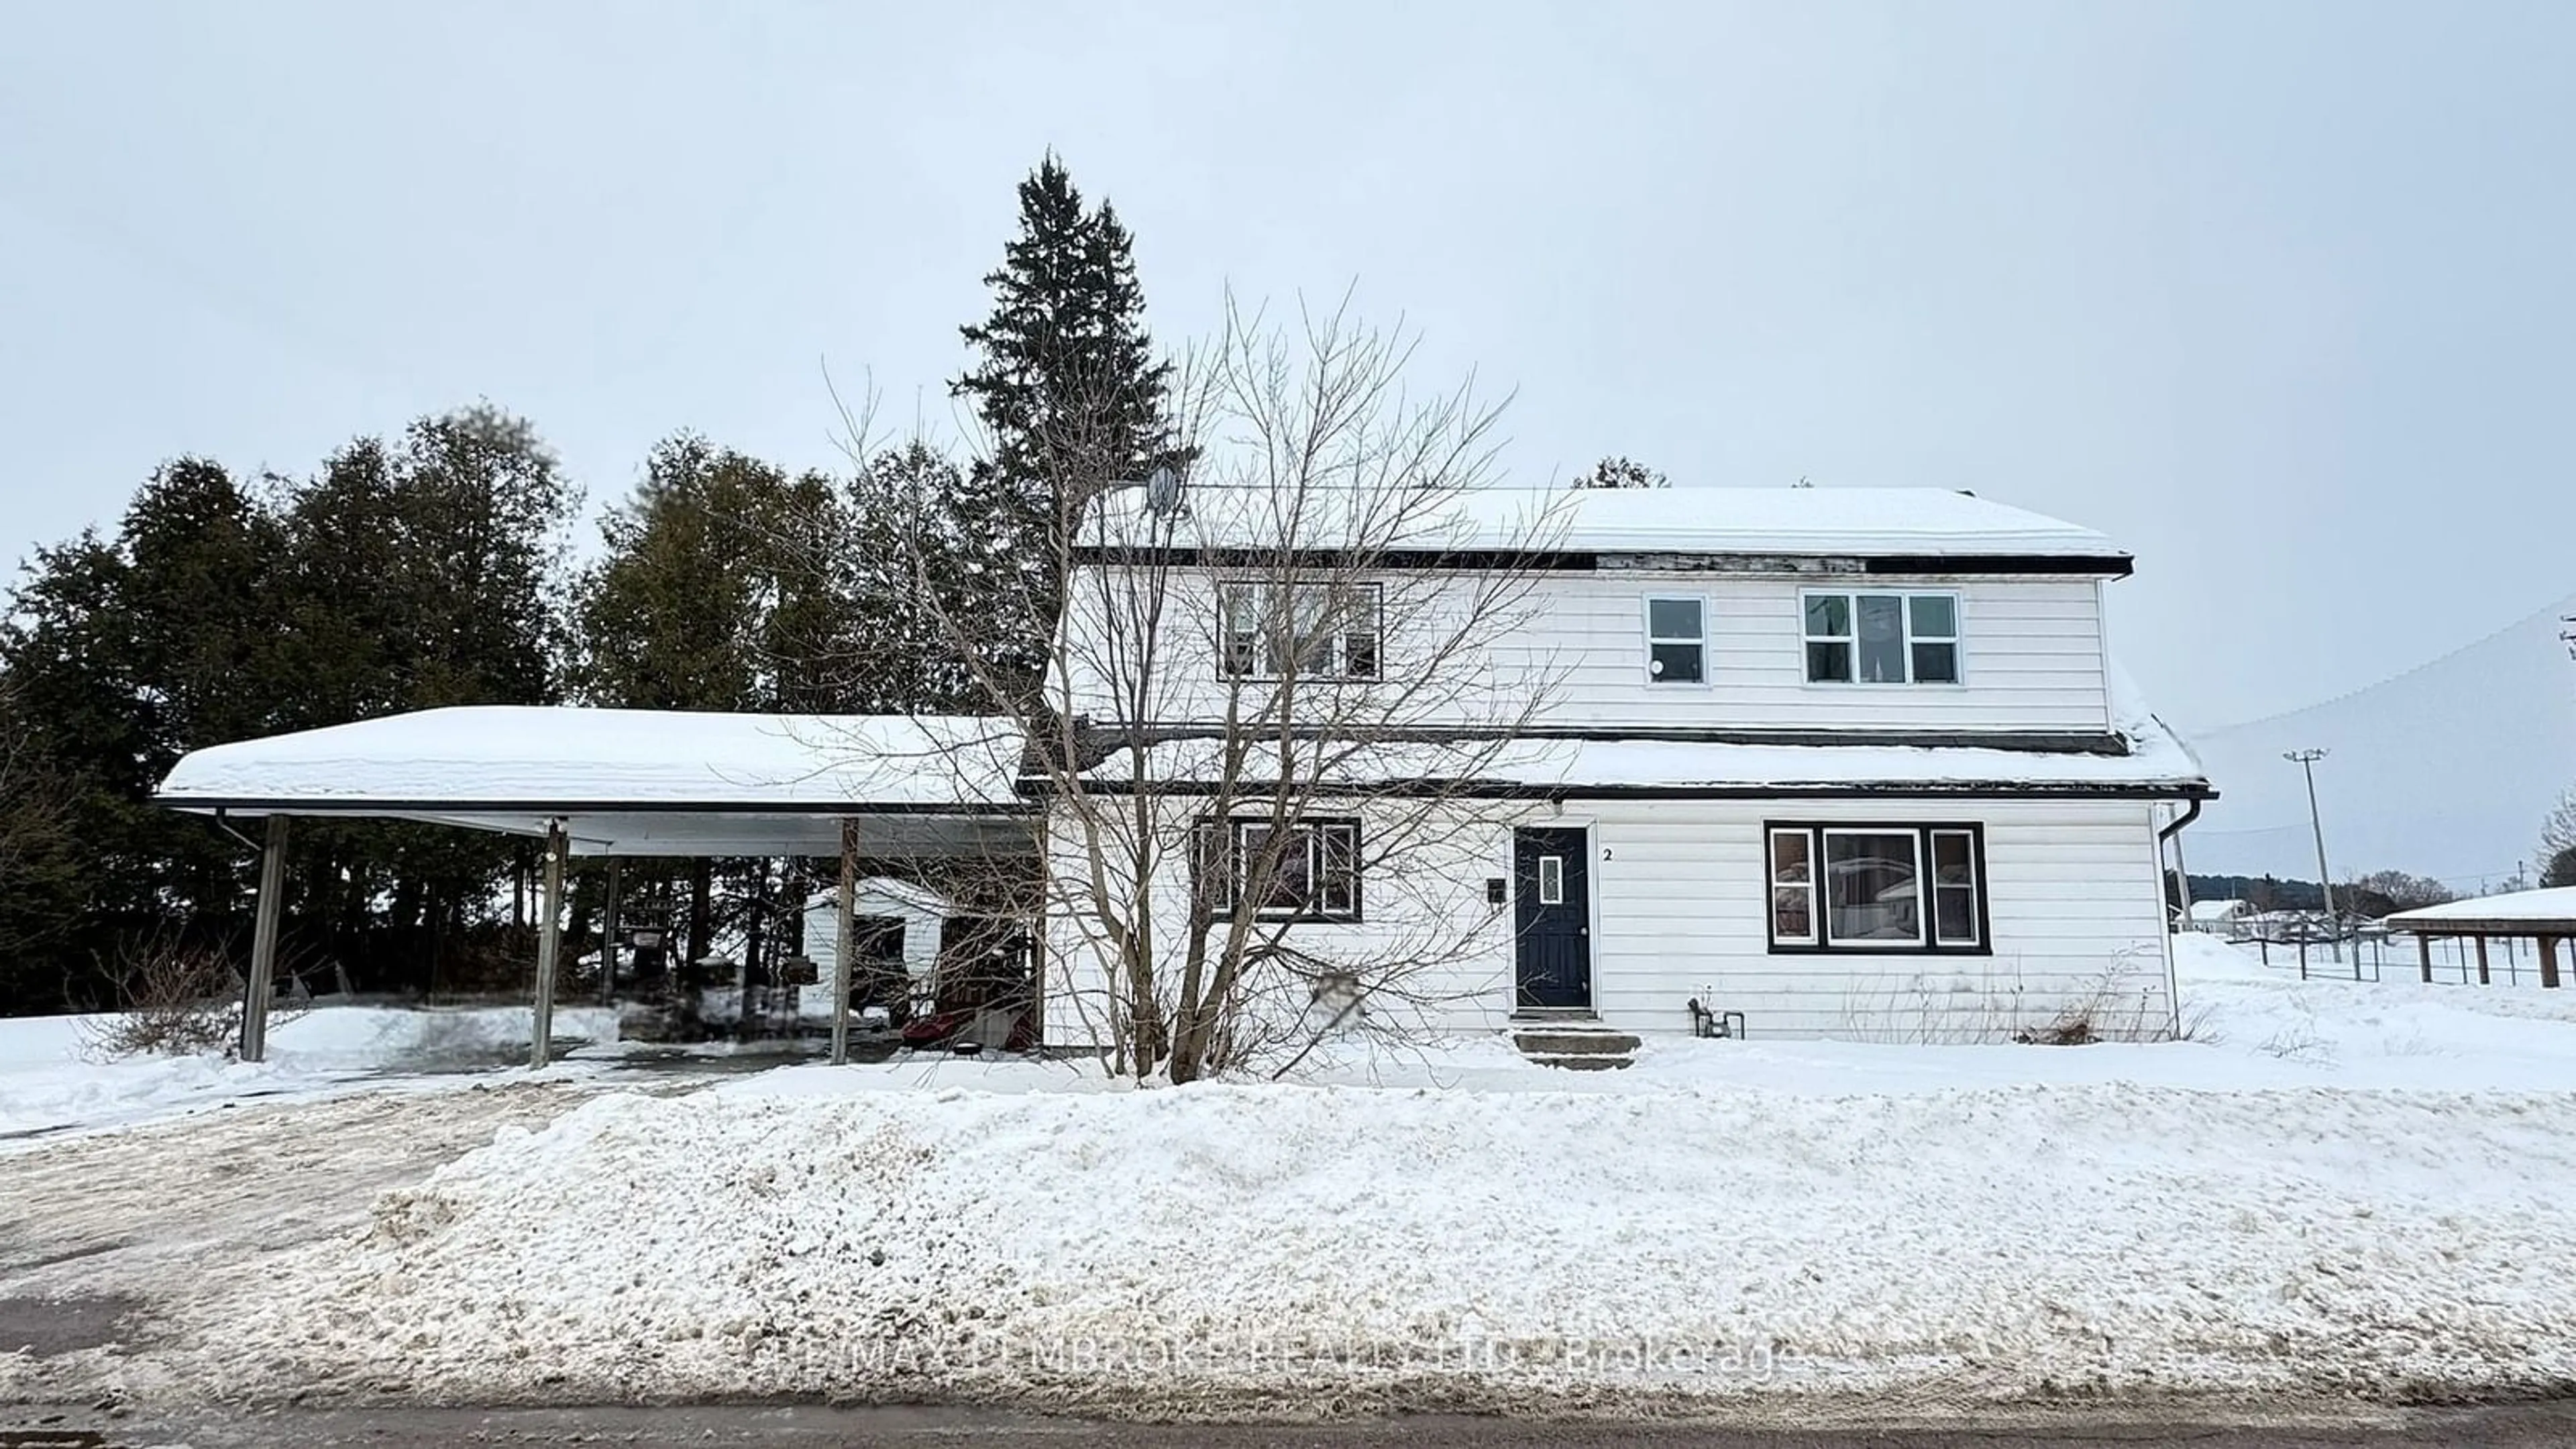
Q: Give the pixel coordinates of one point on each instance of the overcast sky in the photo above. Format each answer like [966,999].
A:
[2280,296]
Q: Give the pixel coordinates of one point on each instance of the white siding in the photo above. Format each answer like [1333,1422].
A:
[2031,651]
[2074,901]
[921,927]
[1436,951]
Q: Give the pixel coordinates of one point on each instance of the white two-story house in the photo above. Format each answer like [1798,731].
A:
[1823,762]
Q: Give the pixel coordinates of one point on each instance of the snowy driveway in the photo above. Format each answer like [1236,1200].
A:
[102,1237]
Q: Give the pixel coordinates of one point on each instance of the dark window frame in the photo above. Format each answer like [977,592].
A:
[1315,826]
[1927,888]
[1263,667]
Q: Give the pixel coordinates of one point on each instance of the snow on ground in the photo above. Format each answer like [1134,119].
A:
[55,1077]
[2334,1189]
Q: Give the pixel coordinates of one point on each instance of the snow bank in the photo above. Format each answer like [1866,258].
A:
[1261,1246]
[1723,1225]
[54,1078]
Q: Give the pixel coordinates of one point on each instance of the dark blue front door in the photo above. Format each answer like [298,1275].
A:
[1552,917]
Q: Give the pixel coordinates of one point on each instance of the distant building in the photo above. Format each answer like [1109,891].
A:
[2218,915]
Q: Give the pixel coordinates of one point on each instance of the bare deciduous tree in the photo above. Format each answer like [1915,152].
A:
[1270,735]
[2558,831]
[2394,890]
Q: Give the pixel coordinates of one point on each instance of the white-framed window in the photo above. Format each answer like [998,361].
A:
[1314,875]
[1879,888]
[1676,639]
[1309,631]
[1881,637]
[1551,880]
[1958,889]
[1793,887]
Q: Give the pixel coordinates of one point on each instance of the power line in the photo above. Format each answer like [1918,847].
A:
[2558,608]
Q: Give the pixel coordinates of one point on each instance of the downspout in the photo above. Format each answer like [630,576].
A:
[2185,818]
[2173,978]
[2182,873]
[224,824]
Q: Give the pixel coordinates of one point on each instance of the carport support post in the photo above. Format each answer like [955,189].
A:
[263,942]
[608,942]
[845,922]
[2549,962]
[549,943]
[2424,949]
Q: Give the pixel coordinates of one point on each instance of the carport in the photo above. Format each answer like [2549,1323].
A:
[2545,916]
[624,783]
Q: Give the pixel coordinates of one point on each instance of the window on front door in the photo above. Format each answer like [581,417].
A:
[1882,638]
[1877,887]
[1677,640]
[1304,631]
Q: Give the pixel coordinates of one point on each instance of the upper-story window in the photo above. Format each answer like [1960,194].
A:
[1677,640]
[1882,638]
[1311,631]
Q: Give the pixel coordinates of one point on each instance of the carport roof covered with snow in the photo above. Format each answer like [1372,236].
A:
[617,782]
[637,782]
[2546,916]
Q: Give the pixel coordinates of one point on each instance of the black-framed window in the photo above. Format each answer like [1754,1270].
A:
[1314,631]
[1855,886]
[1869,637]
[1314,877]
[1676,639]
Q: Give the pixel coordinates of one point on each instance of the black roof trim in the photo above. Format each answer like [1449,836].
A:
[1525,790]
[2117,565]
[1476,559]
[2027,742]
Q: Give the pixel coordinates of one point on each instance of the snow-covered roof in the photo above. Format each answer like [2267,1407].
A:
[640,782]
[2516,911]
[2212,911]
[520,755]
[1833,522]
[2152,761]
[2158,767]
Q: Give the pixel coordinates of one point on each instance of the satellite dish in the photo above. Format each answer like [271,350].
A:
[1163,491]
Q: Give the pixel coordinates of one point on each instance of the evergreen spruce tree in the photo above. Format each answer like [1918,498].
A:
[120,654]
[422,572]
[904,512]
[1622,472]
[1072,402]
[666,619]
[726,585]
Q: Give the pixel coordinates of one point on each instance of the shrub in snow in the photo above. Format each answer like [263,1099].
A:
[177,1000]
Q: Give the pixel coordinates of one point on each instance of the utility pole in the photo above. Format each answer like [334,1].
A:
[2307,763]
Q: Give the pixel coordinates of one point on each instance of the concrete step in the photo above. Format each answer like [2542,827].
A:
[1582,1063]
[1574,1042]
